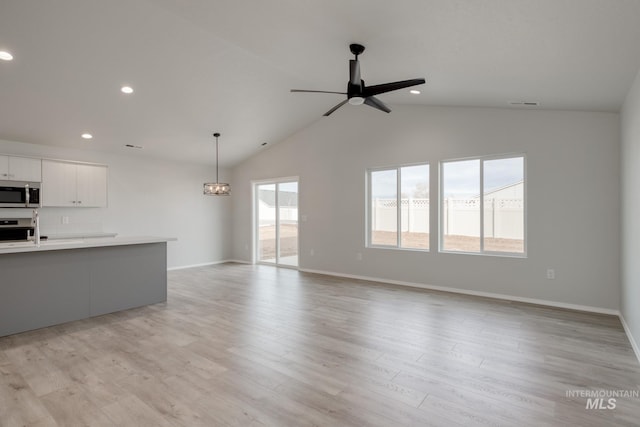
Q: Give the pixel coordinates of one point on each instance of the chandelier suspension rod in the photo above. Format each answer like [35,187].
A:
[216,135]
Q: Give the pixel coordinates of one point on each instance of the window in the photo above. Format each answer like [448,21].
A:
[483,205]
[399,207]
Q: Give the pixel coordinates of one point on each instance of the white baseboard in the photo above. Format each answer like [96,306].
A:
[548,303]
[634,344]
[182,267]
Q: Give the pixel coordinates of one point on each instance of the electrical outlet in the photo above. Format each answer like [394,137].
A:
[64,220]
[312,252]
[359,256]
[551,274]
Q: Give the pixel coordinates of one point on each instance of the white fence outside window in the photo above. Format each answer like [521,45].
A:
[503,218]
[288,214]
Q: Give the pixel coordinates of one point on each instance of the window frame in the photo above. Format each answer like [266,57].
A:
[482,160]
[369,207]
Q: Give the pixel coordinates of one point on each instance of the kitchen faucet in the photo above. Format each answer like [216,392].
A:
[35,217]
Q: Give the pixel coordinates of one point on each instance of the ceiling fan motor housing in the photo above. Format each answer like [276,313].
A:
[354,93]
[355,90]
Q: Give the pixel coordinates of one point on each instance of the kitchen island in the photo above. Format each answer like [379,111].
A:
[66,280]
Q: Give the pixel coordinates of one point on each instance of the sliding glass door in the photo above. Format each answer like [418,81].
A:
[276,236]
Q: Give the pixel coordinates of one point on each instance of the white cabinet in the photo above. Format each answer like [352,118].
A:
[58,184]
[20,169]
[92,185]
[73,184]
[4,167]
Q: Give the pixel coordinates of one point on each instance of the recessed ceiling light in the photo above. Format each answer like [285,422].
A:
[414,91]
[5,56]
[126,89]
[86,136]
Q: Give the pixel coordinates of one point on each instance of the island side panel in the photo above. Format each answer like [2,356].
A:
[41,289]
[125,277]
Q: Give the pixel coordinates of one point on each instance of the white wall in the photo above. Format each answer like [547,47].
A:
[147,197]
[568,153]
[630,152]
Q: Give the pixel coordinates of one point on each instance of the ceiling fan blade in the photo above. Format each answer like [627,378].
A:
[388,87]
[335,108]
[374,102]
[354,72]
[317,91]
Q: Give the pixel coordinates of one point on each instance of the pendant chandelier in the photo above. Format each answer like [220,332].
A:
[216,188]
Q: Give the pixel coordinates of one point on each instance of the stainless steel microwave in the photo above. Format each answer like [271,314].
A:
[19,194]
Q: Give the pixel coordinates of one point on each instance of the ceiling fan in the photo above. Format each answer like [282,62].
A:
[357,93]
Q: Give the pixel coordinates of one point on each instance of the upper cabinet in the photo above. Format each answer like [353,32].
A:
[4,167]
[92,185]
[20,169]
[73,184]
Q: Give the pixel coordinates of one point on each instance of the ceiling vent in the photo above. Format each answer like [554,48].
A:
[525,103]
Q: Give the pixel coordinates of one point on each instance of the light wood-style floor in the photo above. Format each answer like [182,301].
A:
[240,345]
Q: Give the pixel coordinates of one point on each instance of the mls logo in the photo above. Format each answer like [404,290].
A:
[600,403]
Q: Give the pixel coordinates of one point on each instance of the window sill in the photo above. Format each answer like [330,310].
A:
[395,248]
[487,254]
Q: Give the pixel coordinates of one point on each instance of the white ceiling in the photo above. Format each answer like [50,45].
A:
[199,66]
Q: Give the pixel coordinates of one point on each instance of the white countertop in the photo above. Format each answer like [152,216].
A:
[81,236]
[62,244]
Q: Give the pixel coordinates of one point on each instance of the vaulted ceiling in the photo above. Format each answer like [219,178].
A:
[200,66]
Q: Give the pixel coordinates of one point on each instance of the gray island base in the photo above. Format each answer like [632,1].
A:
[47,287]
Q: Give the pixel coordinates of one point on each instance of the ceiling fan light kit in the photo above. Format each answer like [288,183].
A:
[216,188]
[357,93]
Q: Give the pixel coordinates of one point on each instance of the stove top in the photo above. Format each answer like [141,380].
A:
[15,229]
